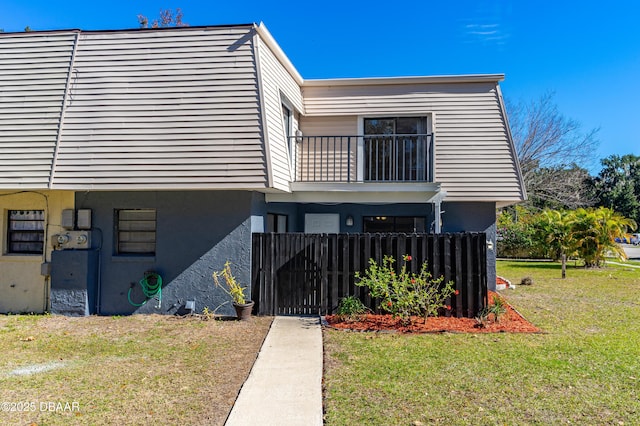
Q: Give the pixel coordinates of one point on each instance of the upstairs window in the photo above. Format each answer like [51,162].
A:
[136,232]
[25,233]
[396,149]
[287,121]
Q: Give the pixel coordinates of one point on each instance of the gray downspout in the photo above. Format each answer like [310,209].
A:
[437,212]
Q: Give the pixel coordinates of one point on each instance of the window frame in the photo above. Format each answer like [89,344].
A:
[11,232]
[425,126]
[118,225]
[277,219]
[365,220]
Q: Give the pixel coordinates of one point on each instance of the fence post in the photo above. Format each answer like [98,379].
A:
[324,279]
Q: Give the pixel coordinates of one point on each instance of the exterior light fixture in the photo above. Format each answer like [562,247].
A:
[349,221]
[299,135]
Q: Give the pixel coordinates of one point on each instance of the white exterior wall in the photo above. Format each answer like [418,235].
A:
[33,76]
[329,126]
[474,157]
[277,85]
[189,108]
[332,153]
[163,109]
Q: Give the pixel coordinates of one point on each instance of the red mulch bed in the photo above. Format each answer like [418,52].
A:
[510,322]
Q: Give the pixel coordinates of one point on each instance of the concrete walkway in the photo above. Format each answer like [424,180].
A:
[284,387]
[628,265]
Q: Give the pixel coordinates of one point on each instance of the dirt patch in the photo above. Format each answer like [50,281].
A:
[510,322]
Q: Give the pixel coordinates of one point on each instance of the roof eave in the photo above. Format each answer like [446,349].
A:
[122,30]
[469,78]
[271,42]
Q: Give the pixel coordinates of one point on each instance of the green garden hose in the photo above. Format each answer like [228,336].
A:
[151,285]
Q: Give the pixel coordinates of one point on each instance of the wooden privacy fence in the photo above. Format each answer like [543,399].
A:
[298,274]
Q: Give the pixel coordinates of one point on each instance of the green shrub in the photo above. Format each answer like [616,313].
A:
[492,312]
[515,238]
[351,309]
[404,294]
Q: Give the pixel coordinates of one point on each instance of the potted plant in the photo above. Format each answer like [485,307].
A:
[225,280]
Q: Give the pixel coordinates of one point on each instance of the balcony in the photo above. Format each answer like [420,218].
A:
[389,158]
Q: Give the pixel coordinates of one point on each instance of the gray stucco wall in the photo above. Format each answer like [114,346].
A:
[474,217]
[297,213]
[197,231]
[457,217]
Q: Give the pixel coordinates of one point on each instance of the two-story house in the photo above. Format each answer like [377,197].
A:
[163,150]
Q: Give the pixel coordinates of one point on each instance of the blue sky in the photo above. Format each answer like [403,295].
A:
[587,52]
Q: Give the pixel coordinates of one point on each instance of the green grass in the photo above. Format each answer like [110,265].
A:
[140,369]
[585,368]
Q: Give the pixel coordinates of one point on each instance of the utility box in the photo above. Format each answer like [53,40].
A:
[67,220]
[84,219]
[74,282]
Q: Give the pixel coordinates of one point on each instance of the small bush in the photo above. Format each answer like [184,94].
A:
[404,294]
[492,312]
[351,309]
[498,308]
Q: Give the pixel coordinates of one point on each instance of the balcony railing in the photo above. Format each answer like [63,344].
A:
[369,158]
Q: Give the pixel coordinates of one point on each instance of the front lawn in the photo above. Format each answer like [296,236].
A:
[139,369]
[585,368]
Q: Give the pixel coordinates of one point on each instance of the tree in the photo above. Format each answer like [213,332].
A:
[617,186]
[552,149]
[594,232]
[167,18]
[560,187]
[588,234]
[553,232]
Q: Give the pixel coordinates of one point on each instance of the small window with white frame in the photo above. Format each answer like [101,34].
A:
[290,129]
[25,232]
[287,121]
[136,232]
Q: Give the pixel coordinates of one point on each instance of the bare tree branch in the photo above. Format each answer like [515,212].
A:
[167,18]
[552,149]
[557,187]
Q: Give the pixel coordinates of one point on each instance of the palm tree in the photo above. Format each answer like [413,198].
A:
[553,227]
[595,231]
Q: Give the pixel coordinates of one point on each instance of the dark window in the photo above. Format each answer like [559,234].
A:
[276,222]
[287,121]
[396,149]
[136,232]
[406,224]
[25,233]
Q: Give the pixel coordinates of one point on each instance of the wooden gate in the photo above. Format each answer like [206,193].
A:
[298,274]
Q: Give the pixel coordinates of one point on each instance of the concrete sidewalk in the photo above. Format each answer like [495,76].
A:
[628,265]
[285,384]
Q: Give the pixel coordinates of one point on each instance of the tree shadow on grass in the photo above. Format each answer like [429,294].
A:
[541,265]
